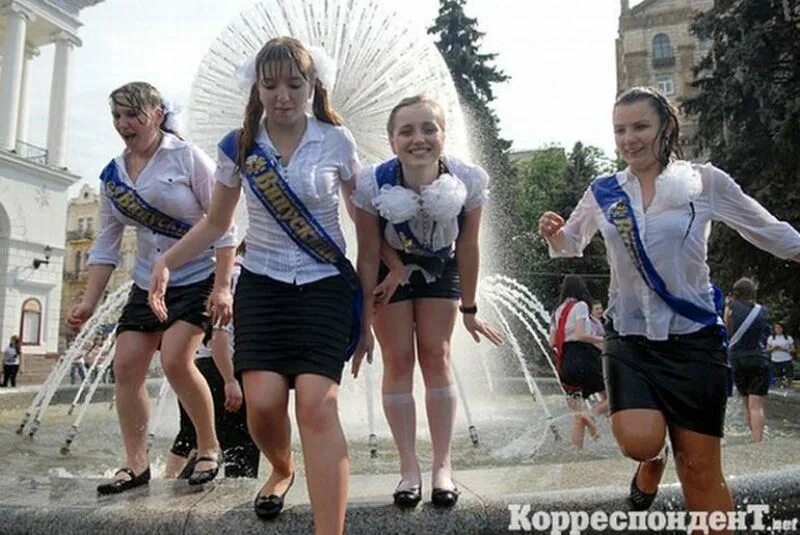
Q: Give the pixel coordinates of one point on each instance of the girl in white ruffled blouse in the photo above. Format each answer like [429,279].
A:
[664,371]
[422,220]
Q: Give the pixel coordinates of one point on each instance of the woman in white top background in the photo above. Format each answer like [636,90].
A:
[577,355]
[781,351]
[292,318]
[420,213]
[161,184]
[665,371]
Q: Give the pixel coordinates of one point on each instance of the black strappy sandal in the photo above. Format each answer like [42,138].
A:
[199,477]
[268,507]
[445,497]
[407,498]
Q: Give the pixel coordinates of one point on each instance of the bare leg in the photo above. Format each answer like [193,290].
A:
[178,347]
[757,418]
[699,467]
[324,451]
[640,434]
[133,353]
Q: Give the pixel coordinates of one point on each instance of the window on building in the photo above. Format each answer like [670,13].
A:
[665,84]
[86,260]
[77,261]
[89,224]
[662,51]
[80,225]
[31,322]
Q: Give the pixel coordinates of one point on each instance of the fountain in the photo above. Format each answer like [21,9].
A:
[510,395]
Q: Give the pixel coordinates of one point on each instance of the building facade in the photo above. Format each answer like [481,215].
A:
[33,180]
[83,214]
[655,48]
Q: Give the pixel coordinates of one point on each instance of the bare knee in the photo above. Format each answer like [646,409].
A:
[128,372]
[264,412]
[318,415]
[638,445]
[698,474]
[434,360]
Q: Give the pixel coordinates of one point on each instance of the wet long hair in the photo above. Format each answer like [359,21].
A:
[573,287]
[438,112]
[275,55]
[666,148]
[142,97]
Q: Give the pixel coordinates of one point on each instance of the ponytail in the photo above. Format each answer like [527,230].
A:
[247,135]
[323,110]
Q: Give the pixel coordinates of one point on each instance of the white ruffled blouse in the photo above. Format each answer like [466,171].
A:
[432,214]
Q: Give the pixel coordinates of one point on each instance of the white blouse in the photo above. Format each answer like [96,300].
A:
[783,344]
[325,157]
[633,307]
[432,233]
[178,181]
[579,312]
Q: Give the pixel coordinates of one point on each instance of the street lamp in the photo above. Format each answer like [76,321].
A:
[38,261]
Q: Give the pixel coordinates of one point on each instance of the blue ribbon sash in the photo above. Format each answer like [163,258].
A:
[414,251]
[616,207]
[262,174]
[128,201]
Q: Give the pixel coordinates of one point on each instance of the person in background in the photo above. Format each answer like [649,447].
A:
[12,362]
[748,328]
[781,350]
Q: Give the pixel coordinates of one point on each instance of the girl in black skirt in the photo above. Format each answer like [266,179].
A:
[577,356]
[293,314]
[161,184]
[664,360]
[420,213]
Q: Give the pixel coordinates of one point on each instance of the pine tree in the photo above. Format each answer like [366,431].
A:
[474,76]
[747,105]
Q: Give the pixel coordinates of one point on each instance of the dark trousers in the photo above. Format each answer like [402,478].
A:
[239,452]
[10,374]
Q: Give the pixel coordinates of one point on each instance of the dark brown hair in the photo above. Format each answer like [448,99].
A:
[273,56]
[438,112]
[744,289]
[573,287]
[668,146]
[142,97]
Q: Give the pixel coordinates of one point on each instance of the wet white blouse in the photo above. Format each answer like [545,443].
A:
[178,181]
[325,157]
[579,312]
[633,307]
[434,234]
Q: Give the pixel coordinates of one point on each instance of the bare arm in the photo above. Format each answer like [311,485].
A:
[582,335]
[347,188]
[369,241]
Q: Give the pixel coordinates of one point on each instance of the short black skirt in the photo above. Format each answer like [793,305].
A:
[582,368]
[751,375]
[292,329]
[185,303]
[685,377]
[448,286]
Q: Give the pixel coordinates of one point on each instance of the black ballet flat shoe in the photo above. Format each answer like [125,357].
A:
[444,497]
[640,500]
[407,498]
[199,477]
[268,507]
[121,485]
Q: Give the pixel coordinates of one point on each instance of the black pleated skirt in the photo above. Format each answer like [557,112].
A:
[185,303]
[292,329]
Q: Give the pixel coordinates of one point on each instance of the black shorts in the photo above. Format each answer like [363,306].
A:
[184,303]
[581,370]
[751,375]
[685,377]
[292,329]
[448,286]
[783,370]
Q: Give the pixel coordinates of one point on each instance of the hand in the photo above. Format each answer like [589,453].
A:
[549,224]
[220,306]
[159,279]
[78,315]
[385,290]
[365,347]
[475,326]
[233,395]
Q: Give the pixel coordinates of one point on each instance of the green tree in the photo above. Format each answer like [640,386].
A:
[747,104]
[458,40]
[553,179]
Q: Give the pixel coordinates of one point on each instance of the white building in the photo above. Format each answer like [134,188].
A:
[33,180]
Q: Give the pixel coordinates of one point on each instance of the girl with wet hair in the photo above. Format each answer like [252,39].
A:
[296,316]
[418,217]
[161,185]
[664,362]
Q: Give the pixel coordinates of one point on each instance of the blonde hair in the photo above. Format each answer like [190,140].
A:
[142,97]
[438,112]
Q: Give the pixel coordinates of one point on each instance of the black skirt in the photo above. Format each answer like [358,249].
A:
[184,303]
[292,329]
[446,286]
[685,377]
[582,368]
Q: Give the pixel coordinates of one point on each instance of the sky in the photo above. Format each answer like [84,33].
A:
[558,53]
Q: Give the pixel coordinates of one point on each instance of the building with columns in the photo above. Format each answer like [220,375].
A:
[656,48]
[34,180]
